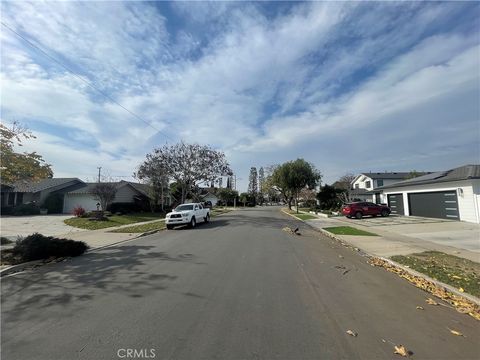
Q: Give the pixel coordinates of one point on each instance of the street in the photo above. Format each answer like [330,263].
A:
[237,288]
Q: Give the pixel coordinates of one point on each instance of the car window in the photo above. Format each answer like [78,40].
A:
[184,208]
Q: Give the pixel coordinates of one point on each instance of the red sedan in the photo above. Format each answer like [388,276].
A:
[360,209]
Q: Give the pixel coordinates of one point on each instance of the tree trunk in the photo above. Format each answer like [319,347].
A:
[161,198]
[296,200]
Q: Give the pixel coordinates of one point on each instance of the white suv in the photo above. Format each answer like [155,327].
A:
[187,214]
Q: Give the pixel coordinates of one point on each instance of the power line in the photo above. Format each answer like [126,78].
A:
[89,83]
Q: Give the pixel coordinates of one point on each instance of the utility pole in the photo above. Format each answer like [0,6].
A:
[99,169]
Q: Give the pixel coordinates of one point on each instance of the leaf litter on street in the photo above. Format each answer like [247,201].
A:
[352,333]
[461,304]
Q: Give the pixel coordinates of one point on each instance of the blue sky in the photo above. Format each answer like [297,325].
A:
[349,86]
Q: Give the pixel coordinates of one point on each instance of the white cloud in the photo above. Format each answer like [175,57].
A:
[262,89]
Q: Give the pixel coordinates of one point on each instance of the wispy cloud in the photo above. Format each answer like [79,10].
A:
[265,82]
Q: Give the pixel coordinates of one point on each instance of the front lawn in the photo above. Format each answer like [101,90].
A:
[112,221]
[347,230]
[449,269]
[157,225]
[304,216]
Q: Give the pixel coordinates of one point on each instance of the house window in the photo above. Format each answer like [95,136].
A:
[19,198]
[379,182]
[357,186]
[11,198]
[368,184]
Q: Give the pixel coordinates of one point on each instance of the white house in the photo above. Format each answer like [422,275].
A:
[364,183]
[453,194]
[127,192]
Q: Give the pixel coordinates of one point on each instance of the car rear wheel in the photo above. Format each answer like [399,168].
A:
[192,223]
[169,227]
[358,215]
[385,213]
[207,218]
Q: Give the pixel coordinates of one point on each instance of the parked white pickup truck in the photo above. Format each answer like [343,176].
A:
[190,214]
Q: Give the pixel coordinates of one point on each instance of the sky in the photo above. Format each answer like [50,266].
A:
[348,86]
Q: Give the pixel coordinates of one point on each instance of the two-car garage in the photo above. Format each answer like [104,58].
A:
[438,204]
[452,195]
[434,204]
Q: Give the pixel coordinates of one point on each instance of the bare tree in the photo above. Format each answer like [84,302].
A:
[188,164]
[345,184]
[105,193]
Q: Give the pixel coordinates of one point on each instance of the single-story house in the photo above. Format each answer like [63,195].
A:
[363,184]
[453,194]
[74,192]
[210,196]
[24,192]
[127,192]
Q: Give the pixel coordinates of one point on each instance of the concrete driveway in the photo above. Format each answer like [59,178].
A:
[458,234]
[12,226]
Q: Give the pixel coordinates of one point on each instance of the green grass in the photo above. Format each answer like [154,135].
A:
[157,225]
[114,220]
[304,216]
[218,211]
[347,230]
[449,269]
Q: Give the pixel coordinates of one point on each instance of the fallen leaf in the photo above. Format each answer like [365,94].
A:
[431,301]
[456,277]
[352,333]
[340,256]
[461,290]
[401,350]
[420,308]
[455,332]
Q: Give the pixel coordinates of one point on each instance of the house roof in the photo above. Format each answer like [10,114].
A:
[359,192]
[88,187]
[388,175]
[36,186]
[465,172]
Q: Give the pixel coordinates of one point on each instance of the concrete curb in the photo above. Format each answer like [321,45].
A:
[450,288]
[21,267]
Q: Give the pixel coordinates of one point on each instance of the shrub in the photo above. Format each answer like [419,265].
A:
[53,203]
[124,207]
[26,209]
[7,210]
[38,246]
[5,241]
[78,211]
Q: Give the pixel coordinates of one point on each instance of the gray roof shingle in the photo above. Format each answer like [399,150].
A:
[465,172]
[36,186]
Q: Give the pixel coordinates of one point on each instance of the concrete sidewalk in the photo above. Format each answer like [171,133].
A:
[390,243]
[104,237]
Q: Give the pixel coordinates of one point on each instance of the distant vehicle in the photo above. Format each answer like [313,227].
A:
[208,204]
[360,209]
[187,214]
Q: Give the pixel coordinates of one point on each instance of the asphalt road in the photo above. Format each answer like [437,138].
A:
[238,288]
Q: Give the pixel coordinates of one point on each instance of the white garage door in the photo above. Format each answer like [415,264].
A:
[83,200]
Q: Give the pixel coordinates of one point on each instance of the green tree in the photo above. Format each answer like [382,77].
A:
[20,166]
[244,198]
[156,176]
[293,176]
[330,197]
[227,195]
[253,184]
